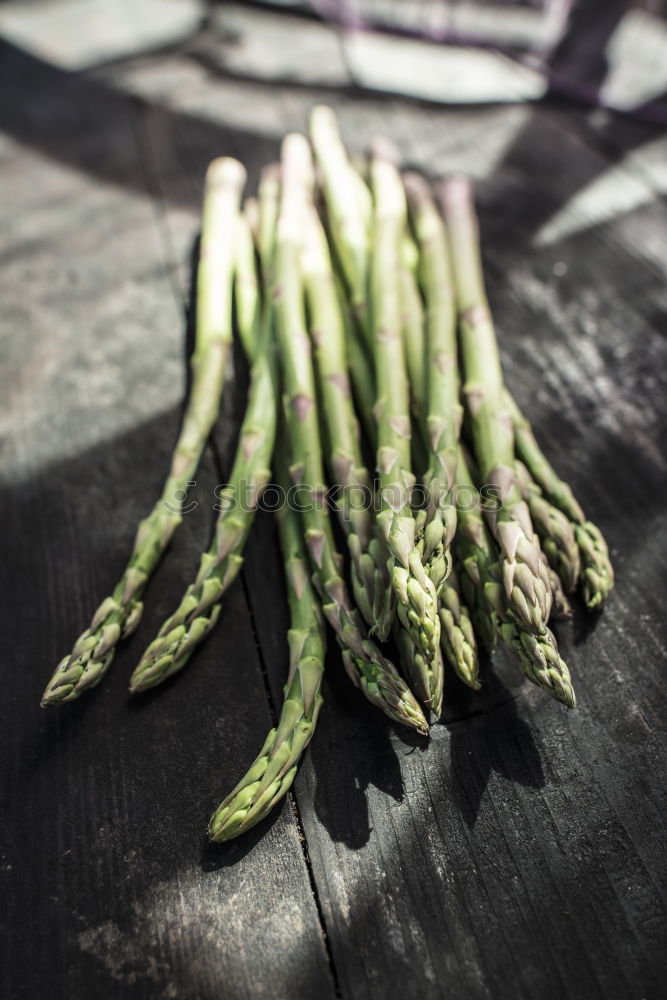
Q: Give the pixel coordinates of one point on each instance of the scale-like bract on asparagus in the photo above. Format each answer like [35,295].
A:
[524,567]
[417,599]
[119,614]
[491,611]
[371,586]
[365,664]
[597,572]
[199,609]
[272,773]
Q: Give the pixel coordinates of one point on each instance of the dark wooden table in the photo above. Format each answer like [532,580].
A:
[518,853]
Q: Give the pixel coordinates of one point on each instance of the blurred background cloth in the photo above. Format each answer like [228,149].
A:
[608,53]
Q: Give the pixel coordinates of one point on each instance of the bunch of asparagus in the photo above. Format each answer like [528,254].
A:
[358,290]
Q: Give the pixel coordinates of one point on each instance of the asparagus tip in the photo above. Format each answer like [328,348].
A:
[270,173]
[416,187]
[324,116]
[456,191]
[51,698]
[384,149]
[225,170]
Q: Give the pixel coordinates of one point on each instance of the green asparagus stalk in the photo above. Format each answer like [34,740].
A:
[417,598]
[523,564]
[414,666]
[540,661]
[251,216]
[484,620]
[247,291]
[437,521]
[482,578]
[560,605]
[360,370]
[554,529]
[412,322]
[597,573]
[414,347]
[359,165]
[371,585]
[269,207]
[426,677]
[272,773]
[348,207]
[349,214]
[457,633]
[118,615]
[199,609]
[367,667]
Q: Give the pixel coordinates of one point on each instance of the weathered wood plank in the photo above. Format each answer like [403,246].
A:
[108,886]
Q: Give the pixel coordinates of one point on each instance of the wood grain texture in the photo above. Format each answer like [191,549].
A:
[519,852]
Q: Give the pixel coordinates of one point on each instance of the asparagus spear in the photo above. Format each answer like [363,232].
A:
[557,539]
[414,666]
[412,324]
[437,521]
[597,573]
[118,615]
[523,564]
[199,609]
[554,529]
[480,613]
[269,207]
[560,604]
[417,598]
[369,670]
[272,773]
[426,677]
[360,370]
[348,207]
[371,585]
[247,290]
[457,633]
[457,636]
[538,655]
[458,647]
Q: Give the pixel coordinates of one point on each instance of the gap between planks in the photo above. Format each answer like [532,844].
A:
[290,795]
